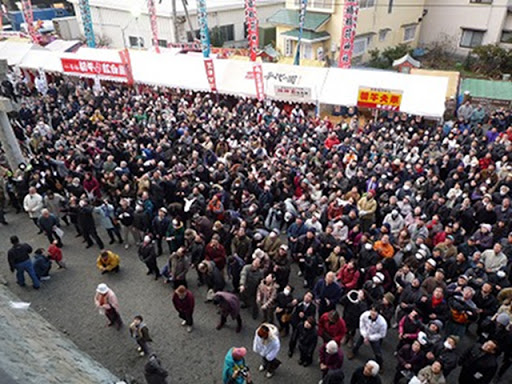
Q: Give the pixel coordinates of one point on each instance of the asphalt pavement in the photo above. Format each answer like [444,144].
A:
[66,301]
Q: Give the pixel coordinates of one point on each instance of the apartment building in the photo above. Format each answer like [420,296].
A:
[466,24]
[381,24]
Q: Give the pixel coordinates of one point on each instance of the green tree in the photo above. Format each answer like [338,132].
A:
[216,37]
[493,60]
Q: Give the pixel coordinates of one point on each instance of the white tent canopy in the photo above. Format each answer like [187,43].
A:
[421,95]
[14,52]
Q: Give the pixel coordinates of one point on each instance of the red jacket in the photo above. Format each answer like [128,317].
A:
[335,331]
[186,305]
[348,278]
[217,255]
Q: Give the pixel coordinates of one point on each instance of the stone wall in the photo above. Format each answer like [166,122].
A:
[34,352]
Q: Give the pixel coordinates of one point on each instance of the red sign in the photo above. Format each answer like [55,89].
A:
[251,19]
[257,71]
[154,27]
[93,67]
[210,74]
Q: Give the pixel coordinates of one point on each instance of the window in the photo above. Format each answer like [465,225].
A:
[366,3]
[191,37]
[227,32]
[317,4]
[410,32]
[288,47]
[480,1]
[390,6]
[361,45]
[506,37]
[471,38]
[306,50]
[383,34]
[136,42]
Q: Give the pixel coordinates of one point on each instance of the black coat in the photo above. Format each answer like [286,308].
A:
[307,339]
[359,378]
[147,253]
[310,311]
[474,361]
[154,373]
[85,219]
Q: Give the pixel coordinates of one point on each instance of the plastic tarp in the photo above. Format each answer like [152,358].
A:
[421,95]
[38,59]
[14,52]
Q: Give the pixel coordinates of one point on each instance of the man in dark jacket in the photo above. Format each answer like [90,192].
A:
[307,337]
[367,374]
[153,371]
[87,226]
[159,228]
[19,260]
[302,311]
[444,352]
[479,363]
[139,331]
[327,293]
[148,256]
[48,223]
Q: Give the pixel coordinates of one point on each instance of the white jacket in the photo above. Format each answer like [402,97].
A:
[33,205]
[267,348]
[372,330]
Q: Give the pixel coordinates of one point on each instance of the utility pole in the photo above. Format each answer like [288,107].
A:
[185,4]
[9,141]
[175,22]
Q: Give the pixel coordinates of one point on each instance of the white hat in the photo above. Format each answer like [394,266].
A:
[102,288]
[375,367]
[332,347]
[432,262]
[147,239]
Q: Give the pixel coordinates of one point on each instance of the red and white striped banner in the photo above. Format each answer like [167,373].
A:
[28,14]
[127,63]
[348,33]
[154,27]
[257,71]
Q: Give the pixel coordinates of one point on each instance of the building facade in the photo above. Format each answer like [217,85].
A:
[127,24]
[381,24]
[465,24]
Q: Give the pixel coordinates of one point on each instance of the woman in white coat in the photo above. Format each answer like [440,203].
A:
[33,204]
[267,345]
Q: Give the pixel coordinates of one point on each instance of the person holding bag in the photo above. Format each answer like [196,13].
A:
[106,301]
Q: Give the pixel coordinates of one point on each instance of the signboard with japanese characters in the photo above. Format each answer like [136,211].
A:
[348,33]
[385,99]
[284,91]
[257,71]
[251,20]
[93,67]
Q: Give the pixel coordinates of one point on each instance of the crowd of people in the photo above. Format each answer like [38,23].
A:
[394,223]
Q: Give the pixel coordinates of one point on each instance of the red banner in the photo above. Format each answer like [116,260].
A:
[348,33]
[257,71]
[210,74]
[93,67]
[251,19]
[154,28]
[125,60]
[28,15]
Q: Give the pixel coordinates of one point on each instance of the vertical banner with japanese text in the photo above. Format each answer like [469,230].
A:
[28,15]
[85,12]
[302,16]
[204,34]
[154,27]
[348,33]
[251,20]
[127,63]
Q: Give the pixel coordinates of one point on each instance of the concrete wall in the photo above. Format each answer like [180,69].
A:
[445,23]
[109,23]
[33,352]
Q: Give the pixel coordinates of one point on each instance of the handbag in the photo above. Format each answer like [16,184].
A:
[286,318]
[59,232]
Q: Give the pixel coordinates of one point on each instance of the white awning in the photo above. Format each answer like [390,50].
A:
[421,95]
[38,59]
[14,52]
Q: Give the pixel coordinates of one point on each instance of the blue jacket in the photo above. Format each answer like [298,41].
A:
[231,366]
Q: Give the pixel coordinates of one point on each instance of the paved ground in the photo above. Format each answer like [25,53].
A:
[66,301]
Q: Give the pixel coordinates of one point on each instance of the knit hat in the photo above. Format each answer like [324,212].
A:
[503,319]
[389,297]
[331,347]
[438,323]
[375,367]
[238,353]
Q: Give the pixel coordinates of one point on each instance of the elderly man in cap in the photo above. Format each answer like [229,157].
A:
[148,256]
